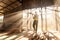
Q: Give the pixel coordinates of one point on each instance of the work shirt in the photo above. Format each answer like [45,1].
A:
[35,17]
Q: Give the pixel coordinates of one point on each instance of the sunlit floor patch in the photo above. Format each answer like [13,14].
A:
[19,38]
[26,35]
[2,37]
[57,34]
[24,38]
[11,37]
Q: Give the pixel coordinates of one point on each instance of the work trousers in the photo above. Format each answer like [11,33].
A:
[35,24]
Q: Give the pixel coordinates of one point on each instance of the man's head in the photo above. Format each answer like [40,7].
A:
[35,13]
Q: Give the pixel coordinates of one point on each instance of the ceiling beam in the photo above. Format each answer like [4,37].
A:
[10,4]
[14,10]
[4,2]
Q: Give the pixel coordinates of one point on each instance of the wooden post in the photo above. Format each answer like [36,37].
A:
[41,18]
[46,18]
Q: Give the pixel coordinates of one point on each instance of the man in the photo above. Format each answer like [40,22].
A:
[35,22]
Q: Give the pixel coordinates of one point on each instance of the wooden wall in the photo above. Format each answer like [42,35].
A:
[27,4]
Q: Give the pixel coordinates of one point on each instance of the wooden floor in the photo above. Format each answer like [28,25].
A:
[27,35]
[13,36]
